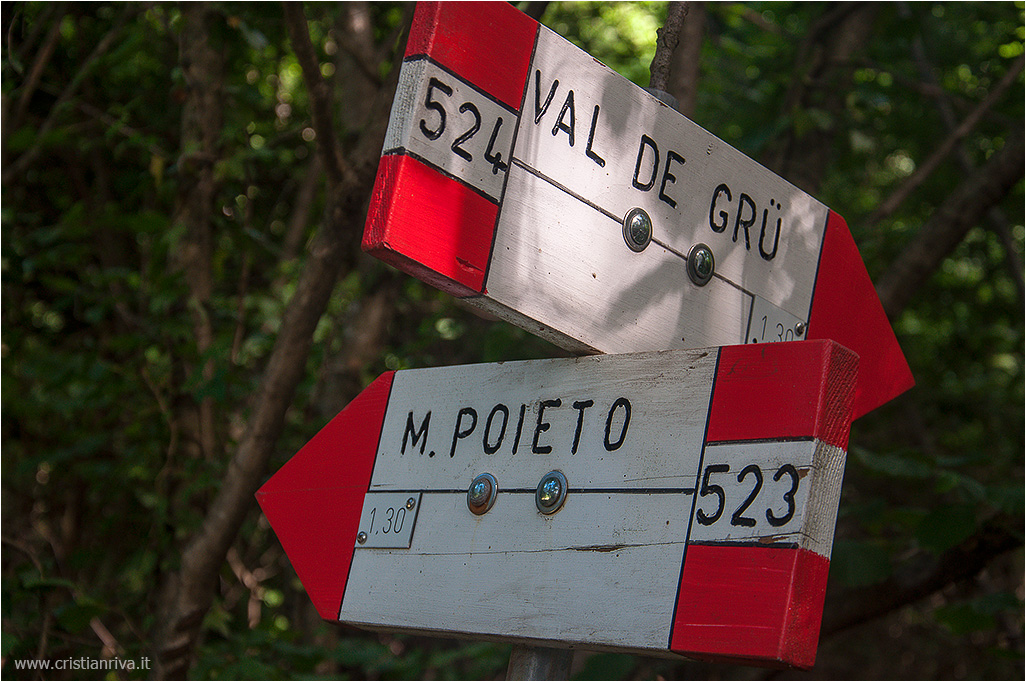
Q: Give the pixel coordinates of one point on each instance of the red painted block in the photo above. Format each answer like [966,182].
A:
[761,604]
[773,389]
[764,603]
[450,250]
[488,43]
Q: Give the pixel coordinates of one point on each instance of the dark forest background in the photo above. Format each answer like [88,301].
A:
[185,304]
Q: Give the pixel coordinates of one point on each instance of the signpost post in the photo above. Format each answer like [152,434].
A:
[525,177]
[674,502]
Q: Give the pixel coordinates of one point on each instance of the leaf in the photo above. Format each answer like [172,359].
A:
[8,644]
[607,666]
[945,527]
[35,583]
[904,464]
[962,619]
[219,620]
[75,616]
[856,563]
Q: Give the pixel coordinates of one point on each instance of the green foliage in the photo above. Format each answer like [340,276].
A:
[104,383]
[606,666]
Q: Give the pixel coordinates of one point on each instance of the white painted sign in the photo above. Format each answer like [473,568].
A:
[592,146]
[623,499]
[507,177]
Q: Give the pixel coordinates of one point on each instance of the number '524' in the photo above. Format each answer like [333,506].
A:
[753,473]
[434,129]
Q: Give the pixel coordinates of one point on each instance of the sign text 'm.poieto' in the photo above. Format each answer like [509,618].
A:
[701,492]
[511,160]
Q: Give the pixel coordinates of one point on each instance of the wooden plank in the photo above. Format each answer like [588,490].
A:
[633,559]
[524,218]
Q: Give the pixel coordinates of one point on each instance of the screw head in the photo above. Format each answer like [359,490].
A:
[701,264]
[481,494]
[551,492]
[637,229]
[411,503]
[361,537]
[799,329]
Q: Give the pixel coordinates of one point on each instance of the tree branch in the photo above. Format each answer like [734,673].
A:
[534,9]
[819,82]
[998,221]
[300,217]
[356,35]
[202,121]
[19,165]
[921,576]
[948,225]
[319,92]
[36,72]
[188,593]
[891,204]
[688,60]
[667,38]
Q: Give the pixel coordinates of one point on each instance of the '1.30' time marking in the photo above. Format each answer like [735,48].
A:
[388,520]
[392,521]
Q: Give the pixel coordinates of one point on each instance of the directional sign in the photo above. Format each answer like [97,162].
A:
[523,175]
[661,502]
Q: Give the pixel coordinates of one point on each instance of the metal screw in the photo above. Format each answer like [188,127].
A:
[637,229]
[361,537]
[701,264]
[799,329]
[410,503]
[481,494]
[551,492]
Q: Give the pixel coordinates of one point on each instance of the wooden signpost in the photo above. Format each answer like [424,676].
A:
[527,178]
[653,500]
[674,502]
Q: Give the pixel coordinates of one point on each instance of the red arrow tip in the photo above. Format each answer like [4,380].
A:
[314,501]
[846,308]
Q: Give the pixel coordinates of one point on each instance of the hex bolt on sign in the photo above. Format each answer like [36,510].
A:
[551,492]
[481,494]
[637,229]
[701,264]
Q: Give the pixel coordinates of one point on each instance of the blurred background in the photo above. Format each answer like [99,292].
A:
[184,304]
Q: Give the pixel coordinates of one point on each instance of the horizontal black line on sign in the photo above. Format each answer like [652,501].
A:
[619,219]
[572,548]
[402,151]
[756,441]
[752,542]
[531,491]
[535,172]
[424,57]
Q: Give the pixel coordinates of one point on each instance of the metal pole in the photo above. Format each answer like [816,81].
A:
[539,663]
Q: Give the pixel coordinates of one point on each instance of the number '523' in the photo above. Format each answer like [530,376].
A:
[753,474]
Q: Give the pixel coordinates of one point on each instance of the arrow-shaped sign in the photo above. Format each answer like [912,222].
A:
[662,502]
[526,177]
